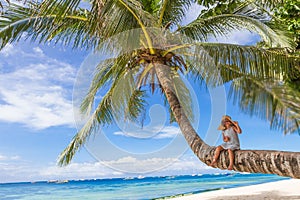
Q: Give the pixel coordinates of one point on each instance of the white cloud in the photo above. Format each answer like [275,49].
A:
[36,93]
[9,158]
[38,50]
[2,157]
[78,171]
[173,166]
[8,50]
[168,132]
[154,132]
[238,37]
[185,165]
[23,171]
[188,164]
[131,164]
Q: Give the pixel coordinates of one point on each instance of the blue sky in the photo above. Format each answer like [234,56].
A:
[37,122]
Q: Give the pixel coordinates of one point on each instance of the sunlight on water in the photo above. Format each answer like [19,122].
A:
[129,188]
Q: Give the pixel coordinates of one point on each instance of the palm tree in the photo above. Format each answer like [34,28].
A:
[163,52]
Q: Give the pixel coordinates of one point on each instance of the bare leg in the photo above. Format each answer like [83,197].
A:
[217,154]
[231,159]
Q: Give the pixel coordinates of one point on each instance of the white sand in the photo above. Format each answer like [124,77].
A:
[286,189]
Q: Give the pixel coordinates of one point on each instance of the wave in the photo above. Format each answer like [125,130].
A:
[188,193]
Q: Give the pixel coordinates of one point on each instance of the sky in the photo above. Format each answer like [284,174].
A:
[39,117]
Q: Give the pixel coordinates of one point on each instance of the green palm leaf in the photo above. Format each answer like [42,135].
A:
[214,58]
[18,19]
[246,8]
[60,8]
[269,4]
[252,73]
[172,11]
[107,75]
[120,16]
[183,94]
[271,100]
[103,114]
[114,105]
[256,75]
[222,25]
[81,27]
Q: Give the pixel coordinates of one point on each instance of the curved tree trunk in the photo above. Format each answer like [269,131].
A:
[254,161]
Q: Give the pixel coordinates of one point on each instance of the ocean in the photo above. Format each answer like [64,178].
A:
[129,188]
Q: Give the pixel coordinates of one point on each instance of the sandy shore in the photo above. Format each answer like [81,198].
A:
[286,190]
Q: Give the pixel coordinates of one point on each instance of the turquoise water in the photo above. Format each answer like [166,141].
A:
[136,188]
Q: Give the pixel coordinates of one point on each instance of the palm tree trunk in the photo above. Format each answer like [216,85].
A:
[254,161]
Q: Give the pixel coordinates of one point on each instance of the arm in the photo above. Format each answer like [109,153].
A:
[236,127]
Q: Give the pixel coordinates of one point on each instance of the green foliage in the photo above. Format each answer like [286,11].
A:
[287,15]
[268,4]
[172,11]
[293,79]
[268,100]
[221,25]
[257,75]
[219,8]
[288,12]
[151,6]
[18,19]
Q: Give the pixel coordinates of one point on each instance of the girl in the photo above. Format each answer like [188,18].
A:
[230,129]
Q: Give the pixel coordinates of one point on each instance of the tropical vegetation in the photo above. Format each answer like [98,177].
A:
[166,50]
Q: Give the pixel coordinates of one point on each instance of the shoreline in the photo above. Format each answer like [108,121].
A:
[277,190]
[162,187]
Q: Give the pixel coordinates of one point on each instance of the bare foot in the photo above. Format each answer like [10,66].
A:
[230,167]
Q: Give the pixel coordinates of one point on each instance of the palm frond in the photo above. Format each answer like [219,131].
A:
[172,11]
[250,9]
[184,96]
[245,8]
[115,74]
[115,104]
[270,100]
[151,7]
[221,25]
[17,20]
[247,60]
[60,8]
[120,15]
[81,28]
[121,98]
[102,115]
[267,4]
[167,105]
[257,81]
[135,108]
[143,76]
[106,74]
[281,30]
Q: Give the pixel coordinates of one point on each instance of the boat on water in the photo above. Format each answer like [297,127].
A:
[57,181]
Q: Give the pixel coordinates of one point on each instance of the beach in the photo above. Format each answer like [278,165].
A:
[278,190]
